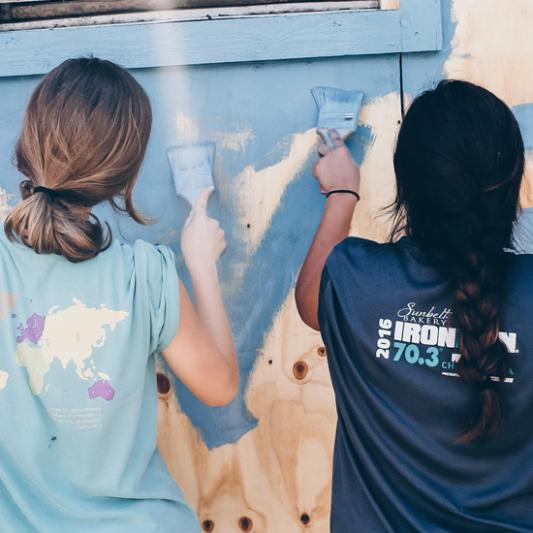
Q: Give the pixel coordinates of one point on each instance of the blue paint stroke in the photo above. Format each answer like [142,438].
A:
[264,289]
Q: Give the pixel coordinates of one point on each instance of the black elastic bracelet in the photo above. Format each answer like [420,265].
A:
[345,191]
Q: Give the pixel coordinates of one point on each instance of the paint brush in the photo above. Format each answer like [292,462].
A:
[337,110]
[192,168]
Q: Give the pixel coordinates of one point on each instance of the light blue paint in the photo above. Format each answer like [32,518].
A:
[272,100]
[423,71]
[281,105]
[416,26]
[524,115]
[421,21]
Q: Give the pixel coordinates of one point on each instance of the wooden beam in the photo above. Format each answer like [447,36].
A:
[227,38]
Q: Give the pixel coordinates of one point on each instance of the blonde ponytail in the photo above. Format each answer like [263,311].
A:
[82,142]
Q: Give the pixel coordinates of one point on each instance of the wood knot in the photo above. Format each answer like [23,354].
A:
[300,370]
[208,525]
[305,519]
[163,385]
[321,352]
[245,523]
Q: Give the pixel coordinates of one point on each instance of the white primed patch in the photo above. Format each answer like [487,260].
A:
[4,376]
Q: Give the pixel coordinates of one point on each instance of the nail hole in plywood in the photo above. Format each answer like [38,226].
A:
[245,523]
[300,369]
[305,519]
[163,383]
[321,351]
[208,525]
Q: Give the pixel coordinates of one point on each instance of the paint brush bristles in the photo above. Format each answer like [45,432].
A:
[337,110]
[192,168]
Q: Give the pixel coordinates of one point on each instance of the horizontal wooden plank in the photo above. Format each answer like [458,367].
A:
[46,8]
[207,41]
[415,27]
[184,15]
[76,15]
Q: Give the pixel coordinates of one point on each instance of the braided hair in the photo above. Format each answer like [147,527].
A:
[459,162]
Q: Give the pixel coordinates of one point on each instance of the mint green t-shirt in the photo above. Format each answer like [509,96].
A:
[78,398]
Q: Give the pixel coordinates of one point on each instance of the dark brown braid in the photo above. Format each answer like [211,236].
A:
[459,163]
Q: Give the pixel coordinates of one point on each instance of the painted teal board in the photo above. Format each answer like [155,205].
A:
[421,22]
[423,71]
[272,100]
[415,27]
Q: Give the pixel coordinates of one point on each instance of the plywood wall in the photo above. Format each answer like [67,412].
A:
[276,478]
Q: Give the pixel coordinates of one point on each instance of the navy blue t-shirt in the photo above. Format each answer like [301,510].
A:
[386,319]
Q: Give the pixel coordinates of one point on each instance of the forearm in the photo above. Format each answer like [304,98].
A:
[210,309]
[333,228]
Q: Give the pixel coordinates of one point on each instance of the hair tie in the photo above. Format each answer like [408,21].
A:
[68,196]
[40,188]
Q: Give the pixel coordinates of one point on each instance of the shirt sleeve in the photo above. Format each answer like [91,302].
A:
[158,279]
[350,269]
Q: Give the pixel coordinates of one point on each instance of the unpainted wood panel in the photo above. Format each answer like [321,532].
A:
[389,4]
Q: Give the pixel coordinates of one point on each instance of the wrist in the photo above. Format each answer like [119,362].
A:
[342,198]
[201,267]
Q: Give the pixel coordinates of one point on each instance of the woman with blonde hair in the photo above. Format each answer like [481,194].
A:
[87,314]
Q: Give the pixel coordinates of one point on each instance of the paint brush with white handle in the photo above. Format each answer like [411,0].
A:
[191,164]
[337,110]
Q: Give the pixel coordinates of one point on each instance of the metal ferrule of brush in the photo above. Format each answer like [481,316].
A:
[338,110]
[326,136]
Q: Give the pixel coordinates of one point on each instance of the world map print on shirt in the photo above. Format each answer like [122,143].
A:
[69,336]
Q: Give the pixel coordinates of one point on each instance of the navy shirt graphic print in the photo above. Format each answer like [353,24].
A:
[387,322]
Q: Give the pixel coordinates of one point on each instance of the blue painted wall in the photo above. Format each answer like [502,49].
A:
[272,100]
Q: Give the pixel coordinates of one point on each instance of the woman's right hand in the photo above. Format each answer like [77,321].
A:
[202,353]
[336,169]
[202,238]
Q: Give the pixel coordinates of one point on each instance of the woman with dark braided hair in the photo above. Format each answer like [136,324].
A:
[429,336]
